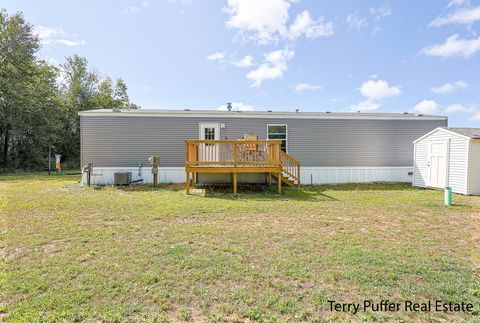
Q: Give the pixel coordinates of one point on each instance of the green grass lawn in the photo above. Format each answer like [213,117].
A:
[134,254]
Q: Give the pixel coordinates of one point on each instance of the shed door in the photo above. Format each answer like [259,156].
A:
[438,164]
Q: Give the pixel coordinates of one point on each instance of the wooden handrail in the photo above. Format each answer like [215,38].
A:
[290,166]
[296,161]
[239,141]
[232,153]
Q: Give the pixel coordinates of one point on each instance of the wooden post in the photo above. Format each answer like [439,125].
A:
[234,153]
[269,178]
[279,183]
[155,174]
[234,183]
[187,182]
[298,176]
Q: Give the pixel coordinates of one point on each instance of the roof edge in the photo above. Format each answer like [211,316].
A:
[260,114]
[443,129]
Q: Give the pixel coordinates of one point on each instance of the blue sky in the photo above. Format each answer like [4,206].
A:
[312,55]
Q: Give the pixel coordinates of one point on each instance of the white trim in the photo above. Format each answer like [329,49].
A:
[258,115]
[342,175]
[286,133]
[467,171]
[414,162]
[202,125]
[104,175]
[443,129]
[447,163]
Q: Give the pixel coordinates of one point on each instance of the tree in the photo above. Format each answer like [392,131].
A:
[78,92]
[84,89]
[36,110]
[27,94]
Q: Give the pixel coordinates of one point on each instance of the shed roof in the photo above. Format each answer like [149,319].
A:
[467,132]
[260,114]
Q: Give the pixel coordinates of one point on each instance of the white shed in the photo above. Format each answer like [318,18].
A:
[448,157]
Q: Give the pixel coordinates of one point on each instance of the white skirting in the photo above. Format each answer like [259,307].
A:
[339,175]
[104,175]
[309,175]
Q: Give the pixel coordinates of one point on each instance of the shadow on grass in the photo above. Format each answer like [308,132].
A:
[250,192]
[264,192]
[380,186]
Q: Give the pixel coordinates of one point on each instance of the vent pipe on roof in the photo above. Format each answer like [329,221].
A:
[229,106]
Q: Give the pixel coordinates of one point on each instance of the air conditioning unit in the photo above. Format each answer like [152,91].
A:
[123,178]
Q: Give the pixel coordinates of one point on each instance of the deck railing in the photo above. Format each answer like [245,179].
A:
[290,166]
[233,153]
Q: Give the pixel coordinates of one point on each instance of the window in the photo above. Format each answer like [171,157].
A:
[278,132]
[209,134]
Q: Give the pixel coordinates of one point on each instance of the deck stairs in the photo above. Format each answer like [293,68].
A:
[290,175]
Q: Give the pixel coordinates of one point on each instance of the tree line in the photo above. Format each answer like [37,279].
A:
[39,102]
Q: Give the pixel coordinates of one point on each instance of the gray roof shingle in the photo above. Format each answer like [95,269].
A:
[468,132]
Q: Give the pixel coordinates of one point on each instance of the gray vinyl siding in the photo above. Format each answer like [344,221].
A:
[457,171]
[124,141]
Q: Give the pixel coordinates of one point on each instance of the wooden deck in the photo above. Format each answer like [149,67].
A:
[241,156]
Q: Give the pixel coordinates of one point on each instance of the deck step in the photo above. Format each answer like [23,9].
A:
[286,179]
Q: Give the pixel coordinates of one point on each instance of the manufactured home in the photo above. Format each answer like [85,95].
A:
[448,157]
[216,147]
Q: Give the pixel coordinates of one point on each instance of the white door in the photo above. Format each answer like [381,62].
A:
[210,151]
[438,164]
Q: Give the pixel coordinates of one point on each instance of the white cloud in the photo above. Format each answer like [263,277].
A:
[131,9]
[448,88]
[246,61]
[274,66]
[216,56]
[380,12]
[459,108]
[457,3]
[426,106]
[49,60]
[301,87]
[305,25]
[266,21]
[55,35]
[356,22]
[453,46]
[473,111]
[464,16]
[70,43]
[378,90]
[146,87]
[237,106]
[367,105]
[143,4]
